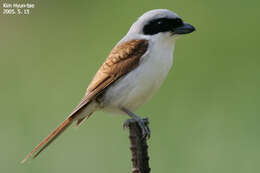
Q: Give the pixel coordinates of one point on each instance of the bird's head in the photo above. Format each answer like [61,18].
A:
[161,23]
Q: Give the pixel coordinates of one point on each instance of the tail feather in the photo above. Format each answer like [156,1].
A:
[75,115]
[49,139]
[80,121]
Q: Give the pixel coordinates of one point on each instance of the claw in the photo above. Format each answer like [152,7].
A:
[142,123]
[145,129]
[127,122]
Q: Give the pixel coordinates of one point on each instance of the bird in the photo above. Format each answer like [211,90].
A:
[131,74]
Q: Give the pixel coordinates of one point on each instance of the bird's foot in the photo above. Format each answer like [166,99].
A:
[127,123]
[142,123]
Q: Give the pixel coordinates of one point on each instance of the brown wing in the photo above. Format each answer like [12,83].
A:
[123,58]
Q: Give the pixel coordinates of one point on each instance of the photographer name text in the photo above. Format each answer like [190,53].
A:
[17,8]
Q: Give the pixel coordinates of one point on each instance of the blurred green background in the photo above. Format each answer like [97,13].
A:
[205,118]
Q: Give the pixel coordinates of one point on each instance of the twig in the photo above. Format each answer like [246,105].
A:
[139,147]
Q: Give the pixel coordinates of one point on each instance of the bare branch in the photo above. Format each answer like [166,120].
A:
[139,147]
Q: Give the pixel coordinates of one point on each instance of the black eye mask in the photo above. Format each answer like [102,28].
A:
[162,25]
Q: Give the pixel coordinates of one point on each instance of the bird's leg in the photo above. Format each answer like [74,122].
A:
[145,129]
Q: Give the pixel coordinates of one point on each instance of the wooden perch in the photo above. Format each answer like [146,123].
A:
[139,147]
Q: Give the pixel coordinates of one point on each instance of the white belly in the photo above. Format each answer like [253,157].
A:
[138,86]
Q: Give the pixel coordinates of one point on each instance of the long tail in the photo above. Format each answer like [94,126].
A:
[63,126]
[49,139]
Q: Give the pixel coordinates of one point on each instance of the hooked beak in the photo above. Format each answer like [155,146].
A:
[184,29]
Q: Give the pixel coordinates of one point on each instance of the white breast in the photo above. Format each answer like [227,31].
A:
[138,86]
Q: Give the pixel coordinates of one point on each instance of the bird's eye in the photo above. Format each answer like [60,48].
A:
[159,22]
[178,22]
